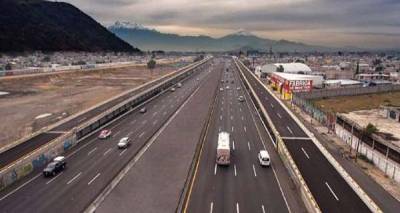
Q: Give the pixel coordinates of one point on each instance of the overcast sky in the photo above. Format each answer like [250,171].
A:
[362,23]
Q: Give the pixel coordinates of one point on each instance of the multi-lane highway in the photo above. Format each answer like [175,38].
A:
[243,186]
[329,189]
[94,162]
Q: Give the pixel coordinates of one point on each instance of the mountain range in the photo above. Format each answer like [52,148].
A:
[150,39]
[31,25]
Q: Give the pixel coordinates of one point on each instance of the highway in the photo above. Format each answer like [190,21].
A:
[329,189]
[15,153]
[243,186]
[93,163]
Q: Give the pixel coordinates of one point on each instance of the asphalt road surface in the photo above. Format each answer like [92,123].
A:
[93,163]
[28,146]
[329,189]
[243,186]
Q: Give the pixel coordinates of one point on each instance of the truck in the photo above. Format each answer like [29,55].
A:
[223,149]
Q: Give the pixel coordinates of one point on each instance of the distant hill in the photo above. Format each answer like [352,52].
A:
[30,25]
[149,39]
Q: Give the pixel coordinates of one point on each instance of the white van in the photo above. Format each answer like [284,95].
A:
[263,157]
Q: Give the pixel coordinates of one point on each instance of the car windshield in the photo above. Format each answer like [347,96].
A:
[51,165]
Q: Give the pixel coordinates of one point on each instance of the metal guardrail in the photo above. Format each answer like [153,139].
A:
[42,155]
[287,159]
[349,180]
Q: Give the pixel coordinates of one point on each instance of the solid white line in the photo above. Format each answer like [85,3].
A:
[245,129]
[330,189]
[248,145]
[76,176]
[91,151]
[215,169]
[141,134]
[279,115]
[254,170]
[280,188]
[289,130]
[211,207]
[233,145]
[234,166]
[305,153]
[93,179]
[237,207]
[263,209]
[106,152]
[54,178]
[121,153]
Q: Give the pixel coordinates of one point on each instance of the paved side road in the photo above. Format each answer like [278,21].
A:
[155,182]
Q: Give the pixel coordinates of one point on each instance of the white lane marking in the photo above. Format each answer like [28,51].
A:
[296,138]
[219,129]
[211,207]
[74,178]
[237,207]
[248,145]
[215,169]
[117,133]
[280,188]
[234,166]
[91,151]
[245,129]
[233,144]
[106,152]
[254,170]
[272,105]
[155,122]
[231,117]
[263,209]
[279,115]
[121,153]
[54,178]
[330,189]
[289,130]
[242,118]
[220,117]
[222,102]
[93,179]
[232,128]
[141,134]
[305,153]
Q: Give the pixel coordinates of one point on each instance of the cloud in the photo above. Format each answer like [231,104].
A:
[368,23]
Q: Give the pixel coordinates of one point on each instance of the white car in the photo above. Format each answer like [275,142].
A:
[264,159]
[227,87]
[221,89]
[143,110]
[179,85]
[238,88]
[124,143]
[173,89]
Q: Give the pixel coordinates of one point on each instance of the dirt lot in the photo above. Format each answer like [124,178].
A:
[35,102]
[346,104]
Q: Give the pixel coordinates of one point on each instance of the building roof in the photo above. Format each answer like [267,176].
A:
[292,76]
[294,67]
[343,82]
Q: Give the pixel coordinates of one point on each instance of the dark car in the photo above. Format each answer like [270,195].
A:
[56,166]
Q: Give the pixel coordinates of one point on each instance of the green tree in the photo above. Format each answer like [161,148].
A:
[151,64]
[280,69]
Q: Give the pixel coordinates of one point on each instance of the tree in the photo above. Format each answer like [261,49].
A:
[357,69]
[366,132]
[151,64]
[280,69]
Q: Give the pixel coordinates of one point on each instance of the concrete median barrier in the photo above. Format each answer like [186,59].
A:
[284,154]
[38,158]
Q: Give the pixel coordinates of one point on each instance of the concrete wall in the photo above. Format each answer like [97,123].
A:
[326,93]
[389,167]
